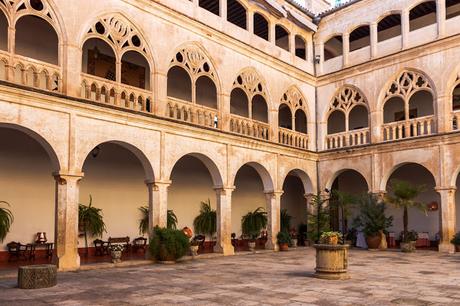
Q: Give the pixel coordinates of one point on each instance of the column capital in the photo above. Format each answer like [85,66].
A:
[448,189]
[274,193]
[62,177]
[224,188]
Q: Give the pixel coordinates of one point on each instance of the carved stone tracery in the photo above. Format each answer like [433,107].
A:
[346,99]
[406,83]
[250,82]
[195,62]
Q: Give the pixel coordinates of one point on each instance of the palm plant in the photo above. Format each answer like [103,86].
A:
[6,219]
[90,221]
[285,224]
[372,216]
[205,222]
[318,220]
[253,222]
[404,194]
[344,203]
[171,222]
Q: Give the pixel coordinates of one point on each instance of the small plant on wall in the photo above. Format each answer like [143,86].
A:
[6,219]
[90,221]
[205,222]
[144,221]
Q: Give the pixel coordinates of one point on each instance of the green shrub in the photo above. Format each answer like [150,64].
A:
[456,239]
[168,244]
[372,216]
[283,237]
[253,222]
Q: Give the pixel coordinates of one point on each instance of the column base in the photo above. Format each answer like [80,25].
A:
[68,262]
[270,245]
[446,248]
[225,249]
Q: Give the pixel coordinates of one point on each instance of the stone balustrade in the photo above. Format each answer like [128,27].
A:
[109,92]
[421,126]
[249,127]
[348,139]
[198,114]
[292,138]
[30,72]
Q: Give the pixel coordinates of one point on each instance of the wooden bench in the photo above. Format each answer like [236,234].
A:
[124,241]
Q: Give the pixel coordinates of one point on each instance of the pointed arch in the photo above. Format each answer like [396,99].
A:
[296,102]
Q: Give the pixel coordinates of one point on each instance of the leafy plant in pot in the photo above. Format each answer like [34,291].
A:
[206,222]
[404,194]
[410,239]
[332,238]
[116,250]
[168,245]
[284,239]
[372,220]
[6,219]
[90,221]
[318,220]
[456,241]
[344,202]
[252,223]
[144,221]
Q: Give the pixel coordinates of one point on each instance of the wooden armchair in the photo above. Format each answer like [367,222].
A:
[139,243]
[16,250]
[101,247]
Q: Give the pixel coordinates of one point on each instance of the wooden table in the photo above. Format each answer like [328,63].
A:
[32,247]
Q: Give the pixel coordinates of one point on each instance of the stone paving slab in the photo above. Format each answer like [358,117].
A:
[284,278]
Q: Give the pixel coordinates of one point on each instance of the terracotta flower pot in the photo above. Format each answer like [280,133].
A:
[408,247]
[373,242]
[284,247]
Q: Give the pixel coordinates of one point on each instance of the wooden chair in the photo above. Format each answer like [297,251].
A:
[16,250]
[139,243]
[101,247]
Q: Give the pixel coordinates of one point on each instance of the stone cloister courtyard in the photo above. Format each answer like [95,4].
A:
[267,278]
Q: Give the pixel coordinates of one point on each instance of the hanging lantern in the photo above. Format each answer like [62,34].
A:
[41,237]
[433,206]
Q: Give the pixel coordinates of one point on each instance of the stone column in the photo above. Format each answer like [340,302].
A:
[444,114]
[72,62]
[448,217]
[224,221]
[223,9]
[271,32]
[441,17]
[405,28]
[66,221]
[346,48]
[374,39]
[160,95]
[292,45]
[376,120]
[320,52]
[158,203]
[273,200]
[309,53]
[250,15]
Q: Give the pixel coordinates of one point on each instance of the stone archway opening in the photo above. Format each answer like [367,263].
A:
[115,177]
[426,224]
[28,186]
[193,185]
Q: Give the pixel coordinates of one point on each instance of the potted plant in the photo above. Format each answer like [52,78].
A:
[205,222]
[284,239]
[344,202]
[168,245]
[116,251]
[318,220]
[6,219]
[404,194]
[456,241]
[410,240]
[293,235]
[90,221]
[144,221]
[285,221]
[194,246]
[252,223]
[332,238]
[372,220]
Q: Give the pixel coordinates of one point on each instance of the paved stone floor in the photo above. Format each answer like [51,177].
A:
[378,278]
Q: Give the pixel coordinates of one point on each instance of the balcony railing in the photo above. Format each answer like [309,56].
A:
[293,138]
[186,111]
[249,127]
[348,139]
[108,92]
[30,72]
[406,129]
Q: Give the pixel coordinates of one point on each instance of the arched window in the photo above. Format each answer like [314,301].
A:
[99,59]
[236,13]
[41,43]
[192,77]
[360,38]
[452,8]
[301,121]
[206,92]
[421,104]
[179,84]
[248,97]
[300,47]
[456,98]
[281,37]
[259,109]
[135,70]
[3,32]
[336,122]
[210,5]
[389,27]
[422,15]
[333,48]
[285,117]
[393,110]
[260,26]
[358,118]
